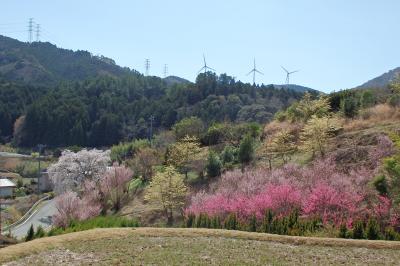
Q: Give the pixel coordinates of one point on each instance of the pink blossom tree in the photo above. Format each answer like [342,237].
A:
[114,185]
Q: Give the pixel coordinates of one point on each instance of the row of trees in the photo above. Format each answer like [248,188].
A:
[106,110]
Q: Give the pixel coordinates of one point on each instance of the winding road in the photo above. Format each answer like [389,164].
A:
[41,217]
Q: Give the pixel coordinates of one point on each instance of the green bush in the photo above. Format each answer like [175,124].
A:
[372,230]
[267,222]
[40,232]
[213,165]
[189,221]
[228,154]
[343,231]
[216,222]
[358,230]
[380,184]
[394,100]
[231,222]
[246,150]
[391,234]
[253,223]
[30,235]
[125,150]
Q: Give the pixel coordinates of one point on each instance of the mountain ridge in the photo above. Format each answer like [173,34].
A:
[381,81]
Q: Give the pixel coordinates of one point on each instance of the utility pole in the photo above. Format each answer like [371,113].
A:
[0,218]
[165,70]
[30,30]
[151,130]
[37,32]
[147,66]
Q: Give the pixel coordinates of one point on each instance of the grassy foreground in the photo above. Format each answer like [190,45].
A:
[172,246]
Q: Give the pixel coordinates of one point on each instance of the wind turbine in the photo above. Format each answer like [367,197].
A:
[254,71]
[205,67]
[288,73]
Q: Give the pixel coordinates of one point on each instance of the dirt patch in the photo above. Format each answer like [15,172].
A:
[57,257]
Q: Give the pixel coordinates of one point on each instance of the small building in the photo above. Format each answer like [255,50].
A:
[6,188]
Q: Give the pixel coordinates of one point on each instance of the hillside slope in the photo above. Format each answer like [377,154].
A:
[177,246]
[381,81]
[42,63]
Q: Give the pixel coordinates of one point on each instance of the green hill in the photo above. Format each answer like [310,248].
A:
[42,63]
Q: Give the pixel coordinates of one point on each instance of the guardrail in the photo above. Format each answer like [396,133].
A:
[26,215]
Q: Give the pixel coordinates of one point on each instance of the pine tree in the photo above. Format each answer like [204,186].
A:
[30,234]
[372,230]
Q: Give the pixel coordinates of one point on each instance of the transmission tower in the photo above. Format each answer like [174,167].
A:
[37,32]
[165,72]
[30,30]
[147,66]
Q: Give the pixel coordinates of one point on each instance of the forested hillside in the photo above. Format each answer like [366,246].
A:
[42,63]
[106,110]
[60,97]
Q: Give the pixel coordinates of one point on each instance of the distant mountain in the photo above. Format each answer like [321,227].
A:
[42,63]
[382,81]
[170,80]
[296,88]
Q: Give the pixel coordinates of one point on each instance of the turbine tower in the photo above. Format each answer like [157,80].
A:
[288,73]
[254,71]
[205,67]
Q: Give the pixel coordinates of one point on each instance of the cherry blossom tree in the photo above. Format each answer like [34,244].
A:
[72,169]
[114,185]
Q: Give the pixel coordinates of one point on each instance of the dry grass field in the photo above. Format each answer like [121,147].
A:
[176,246]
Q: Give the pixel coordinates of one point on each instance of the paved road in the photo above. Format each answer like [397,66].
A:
[15,155]
[41,217]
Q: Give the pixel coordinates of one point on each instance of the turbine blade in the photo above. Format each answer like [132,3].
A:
[259,72]
[250,72]
[211,69]
[285,69]
[201,70]
[294,71]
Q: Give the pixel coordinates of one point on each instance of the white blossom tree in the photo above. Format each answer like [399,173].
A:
[72,169]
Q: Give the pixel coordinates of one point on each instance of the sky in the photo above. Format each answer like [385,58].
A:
[336,44]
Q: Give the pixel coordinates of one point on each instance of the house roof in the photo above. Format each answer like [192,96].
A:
[4,182]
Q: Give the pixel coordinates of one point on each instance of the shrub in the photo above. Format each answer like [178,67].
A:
[343,230]
[228,154]
[190,219]
[391,234]
[372,229]
[253,223]
[214,165]
[30,235]
[358,230]
[216,222]
[40,232]
[267,221]
[231,222]
[246,150]
[380,184]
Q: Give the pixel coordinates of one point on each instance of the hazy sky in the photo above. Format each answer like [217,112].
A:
[336,44]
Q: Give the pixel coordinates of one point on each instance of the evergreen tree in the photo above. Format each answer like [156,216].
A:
[30,234]
[246,150]
[214,165]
